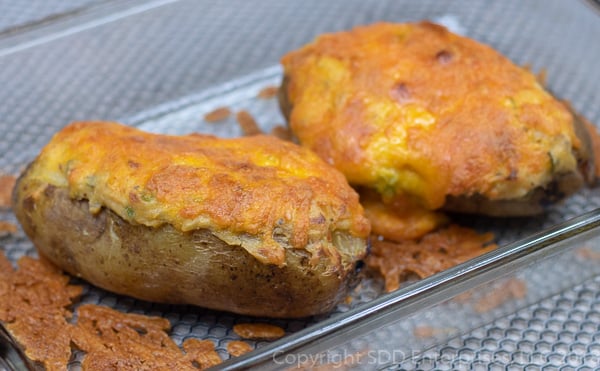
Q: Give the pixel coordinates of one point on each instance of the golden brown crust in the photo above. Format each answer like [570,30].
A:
[246,186]
[415,109]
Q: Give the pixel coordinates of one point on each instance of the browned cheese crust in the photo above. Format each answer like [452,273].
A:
[413,109]
[251,225]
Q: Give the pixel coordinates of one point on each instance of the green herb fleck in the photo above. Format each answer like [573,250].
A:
[130,212]
[147,197]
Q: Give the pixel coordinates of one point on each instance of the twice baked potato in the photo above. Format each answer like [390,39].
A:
[415,110]
[250,225]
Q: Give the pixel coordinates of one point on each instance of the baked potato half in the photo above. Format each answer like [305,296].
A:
[252,225]
[415,110]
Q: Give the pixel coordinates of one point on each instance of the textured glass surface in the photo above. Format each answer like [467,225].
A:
[162,65]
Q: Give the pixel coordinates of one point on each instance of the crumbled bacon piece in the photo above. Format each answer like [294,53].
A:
[268,92]
[217,115]
[433,253]
[7,183]
[259,331]
[236,348]
[587,253]
[512,289]
[7,228]
[425,331]
[247,123]
[282,132]
[34,305]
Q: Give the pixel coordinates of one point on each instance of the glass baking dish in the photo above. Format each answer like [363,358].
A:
[392,328]
[539,258]
[397,328]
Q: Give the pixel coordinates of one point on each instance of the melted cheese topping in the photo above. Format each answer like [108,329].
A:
[414,109]
[245,190]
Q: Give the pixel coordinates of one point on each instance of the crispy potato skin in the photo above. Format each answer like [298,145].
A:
[416,110]
[163,263]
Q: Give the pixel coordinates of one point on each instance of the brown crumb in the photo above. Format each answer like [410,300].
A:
[587,253]
[435,252]
[217,115]
[247,123]
[236,348]
[542,77]
[7,183]
[35,303]
[201,353]
[348,299]
[7,228]
[268,92]
[509,290]
[464,297]
[430,332]
[258,331]
[282,132]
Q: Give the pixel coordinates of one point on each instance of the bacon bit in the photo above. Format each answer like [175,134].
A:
[217,115]
[464,297]
[34,305]
[282,132]
[511,289]
[7,228]
[268,92]
[247,123]
[201,352]
[258,331]
[542,76]
[236,348]
[435,252]
[7,183]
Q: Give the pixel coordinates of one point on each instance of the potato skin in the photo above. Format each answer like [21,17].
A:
[165,265]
